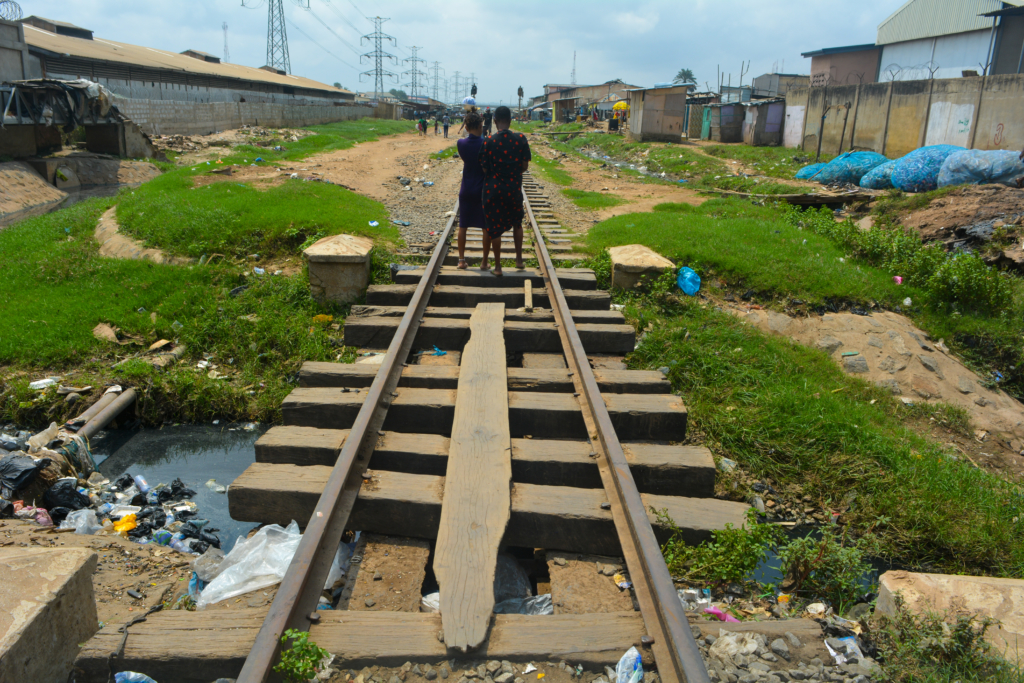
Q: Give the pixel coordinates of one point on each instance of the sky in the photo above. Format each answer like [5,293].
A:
[506,45]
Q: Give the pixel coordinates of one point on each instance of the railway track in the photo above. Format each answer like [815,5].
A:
[527,433]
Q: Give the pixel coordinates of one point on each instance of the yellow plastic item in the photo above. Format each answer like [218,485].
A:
[620,105]
[784,598]
[126,523]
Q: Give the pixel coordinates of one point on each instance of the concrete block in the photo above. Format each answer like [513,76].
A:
[47,608]
[633,263]
[339,267]
[1001,599]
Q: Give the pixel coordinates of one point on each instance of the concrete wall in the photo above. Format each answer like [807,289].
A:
[13,52]
[897,117]
[165,117]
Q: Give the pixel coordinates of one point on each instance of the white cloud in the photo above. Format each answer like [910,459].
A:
[635,22]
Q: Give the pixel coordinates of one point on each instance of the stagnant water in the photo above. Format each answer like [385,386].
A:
[195,453]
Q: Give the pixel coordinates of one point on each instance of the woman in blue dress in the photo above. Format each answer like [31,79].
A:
[471,207]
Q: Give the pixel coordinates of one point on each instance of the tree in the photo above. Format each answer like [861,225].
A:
[399,94]
[685,76]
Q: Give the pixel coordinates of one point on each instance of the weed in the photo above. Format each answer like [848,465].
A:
[830,568]
[776,162]
[730,556]
[446,153]
[301,661]
[552,170]
[939,647]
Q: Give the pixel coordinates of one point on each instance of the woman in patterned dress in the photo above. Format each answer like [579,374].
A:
[504,157]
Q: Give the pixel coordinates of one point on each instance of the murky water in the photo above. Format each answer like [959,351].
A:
[195,453]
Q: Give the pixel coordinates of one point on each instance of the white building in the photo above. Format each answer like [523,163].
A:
[944,38]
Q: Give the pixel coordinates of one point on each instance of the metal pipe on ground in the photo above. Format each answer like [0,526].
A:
[91,411]
[102,418]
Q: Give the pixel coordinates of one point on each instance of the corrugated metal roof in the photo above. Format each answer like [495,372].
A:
[111,51]
[929,18]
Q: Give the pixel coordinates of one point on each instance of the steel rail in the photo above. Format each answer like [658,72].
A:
[300,590]
[674,648]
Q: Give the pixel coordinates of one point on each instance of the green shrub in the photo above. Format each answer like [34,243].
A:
[729,557]
[828,568]
[300,661]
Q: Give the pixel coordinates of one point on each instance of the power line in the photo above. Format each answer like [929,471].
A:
[341,16]
[324,23]
[299,29]
[378,56]
[414,72]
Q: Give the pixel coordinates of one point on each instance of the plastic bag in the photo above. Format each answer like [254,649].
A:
[536,605]
[42,438]
[18,471]
[510,580]
[339,566]
[207,566]
[808,171]
[979,167]
[431,602]
[64,493]
[849,167]
[126,523]
[630,668]
[82,521]
[132,677]
[731,643]
[880,177]
[688,281]
[253,563]
[919,170]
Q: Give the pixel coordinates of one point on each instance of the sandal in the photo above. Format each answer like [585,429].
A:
[497,272]
[520,266]
[462,264]
[484,266]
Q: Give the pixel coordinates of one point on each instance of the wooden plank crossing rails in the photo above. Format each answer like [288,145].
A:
[534,436]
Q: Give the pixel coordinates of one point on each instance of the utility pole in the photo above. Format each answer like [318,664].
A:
[227,54]
[573,79]
[520,93]
[414,73]
[437,69]
[377,55]
[277,37]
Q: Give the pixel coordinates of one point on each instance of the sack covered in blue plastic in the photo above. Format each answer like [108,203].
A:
[919,170]
[980,167]
[879,178]
[806,172]
[849,167]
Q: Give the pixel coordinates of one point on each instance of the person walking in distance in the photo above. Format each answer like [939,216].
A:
[487,122]
[436,124]
[471,209]
[422,125]
[504,157]
[446,121]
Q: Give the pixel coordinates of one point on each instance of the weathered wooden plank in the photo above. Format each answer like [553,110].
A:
[528,296]
[554,517]
[656,468]
[463,297]
[656,417]
[570,278]
[544,360]
[453,333]
[538,314]
[192,647]
[475,508]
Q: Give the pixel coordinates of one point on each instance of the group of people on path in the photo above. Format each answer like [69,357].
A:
[445,121]
[491,195]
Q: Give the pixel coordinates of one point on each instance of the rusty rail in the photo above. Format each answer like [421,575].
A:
[669,636]
[296,600]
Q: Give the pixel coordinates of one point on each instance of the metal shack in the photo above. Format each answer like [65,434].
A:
[726,121]
[763,121]
[658,114]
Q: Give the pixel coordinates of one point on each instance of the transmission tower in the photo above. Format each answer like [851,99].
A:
[457,99]
[573,79]
[277,37]
[227,53]
[377,38]
[414,73]
[437,68]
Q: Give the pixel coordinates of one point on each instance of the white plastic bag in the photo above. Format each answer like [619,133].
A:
[207,566]
[82,521]
[253,563]
[537,605]
[731,643]
[339,566]
[630,668]
[431,602]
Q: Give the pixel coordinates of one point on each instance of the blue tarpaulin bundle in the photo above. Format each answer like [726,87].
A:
[919,170]
[807,171]
[849,167]
[880,177]
[979,167]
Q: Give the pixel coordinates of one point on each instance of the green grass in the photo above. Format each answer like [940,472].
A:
[775,162]
[751,247]
[329,137]
[789,414]
[446,153]
[552,170]
[592,200]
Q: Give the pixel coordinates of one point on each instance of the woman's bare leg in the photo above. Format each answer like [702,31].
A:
[496,242]
[486,247]
[517,239]
[462,249]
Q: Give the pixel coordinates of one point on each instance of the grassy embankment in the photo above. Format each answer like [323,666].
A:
[55,287]
[787,413]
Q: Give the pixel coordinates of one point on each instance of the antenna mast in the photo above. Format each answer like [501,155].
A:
[277,37]
[573,80]
[227,54]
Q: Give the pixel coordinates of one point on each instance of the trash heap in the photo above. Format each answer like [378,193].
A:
[51,478]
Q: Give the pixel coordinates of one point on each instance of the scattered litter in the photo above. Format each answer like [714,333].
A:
[41,384]
[688,281]
[258,270]
[431,602]
[727,465]
[253,563]
[907,301]
[717,612]
[402,223]
[428,184]
[622,582]
[816,608]
[851,353]
[215,487]
[630,668]
[897,279]
[438,352]
[530,668]
[374,224]
[132,677]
